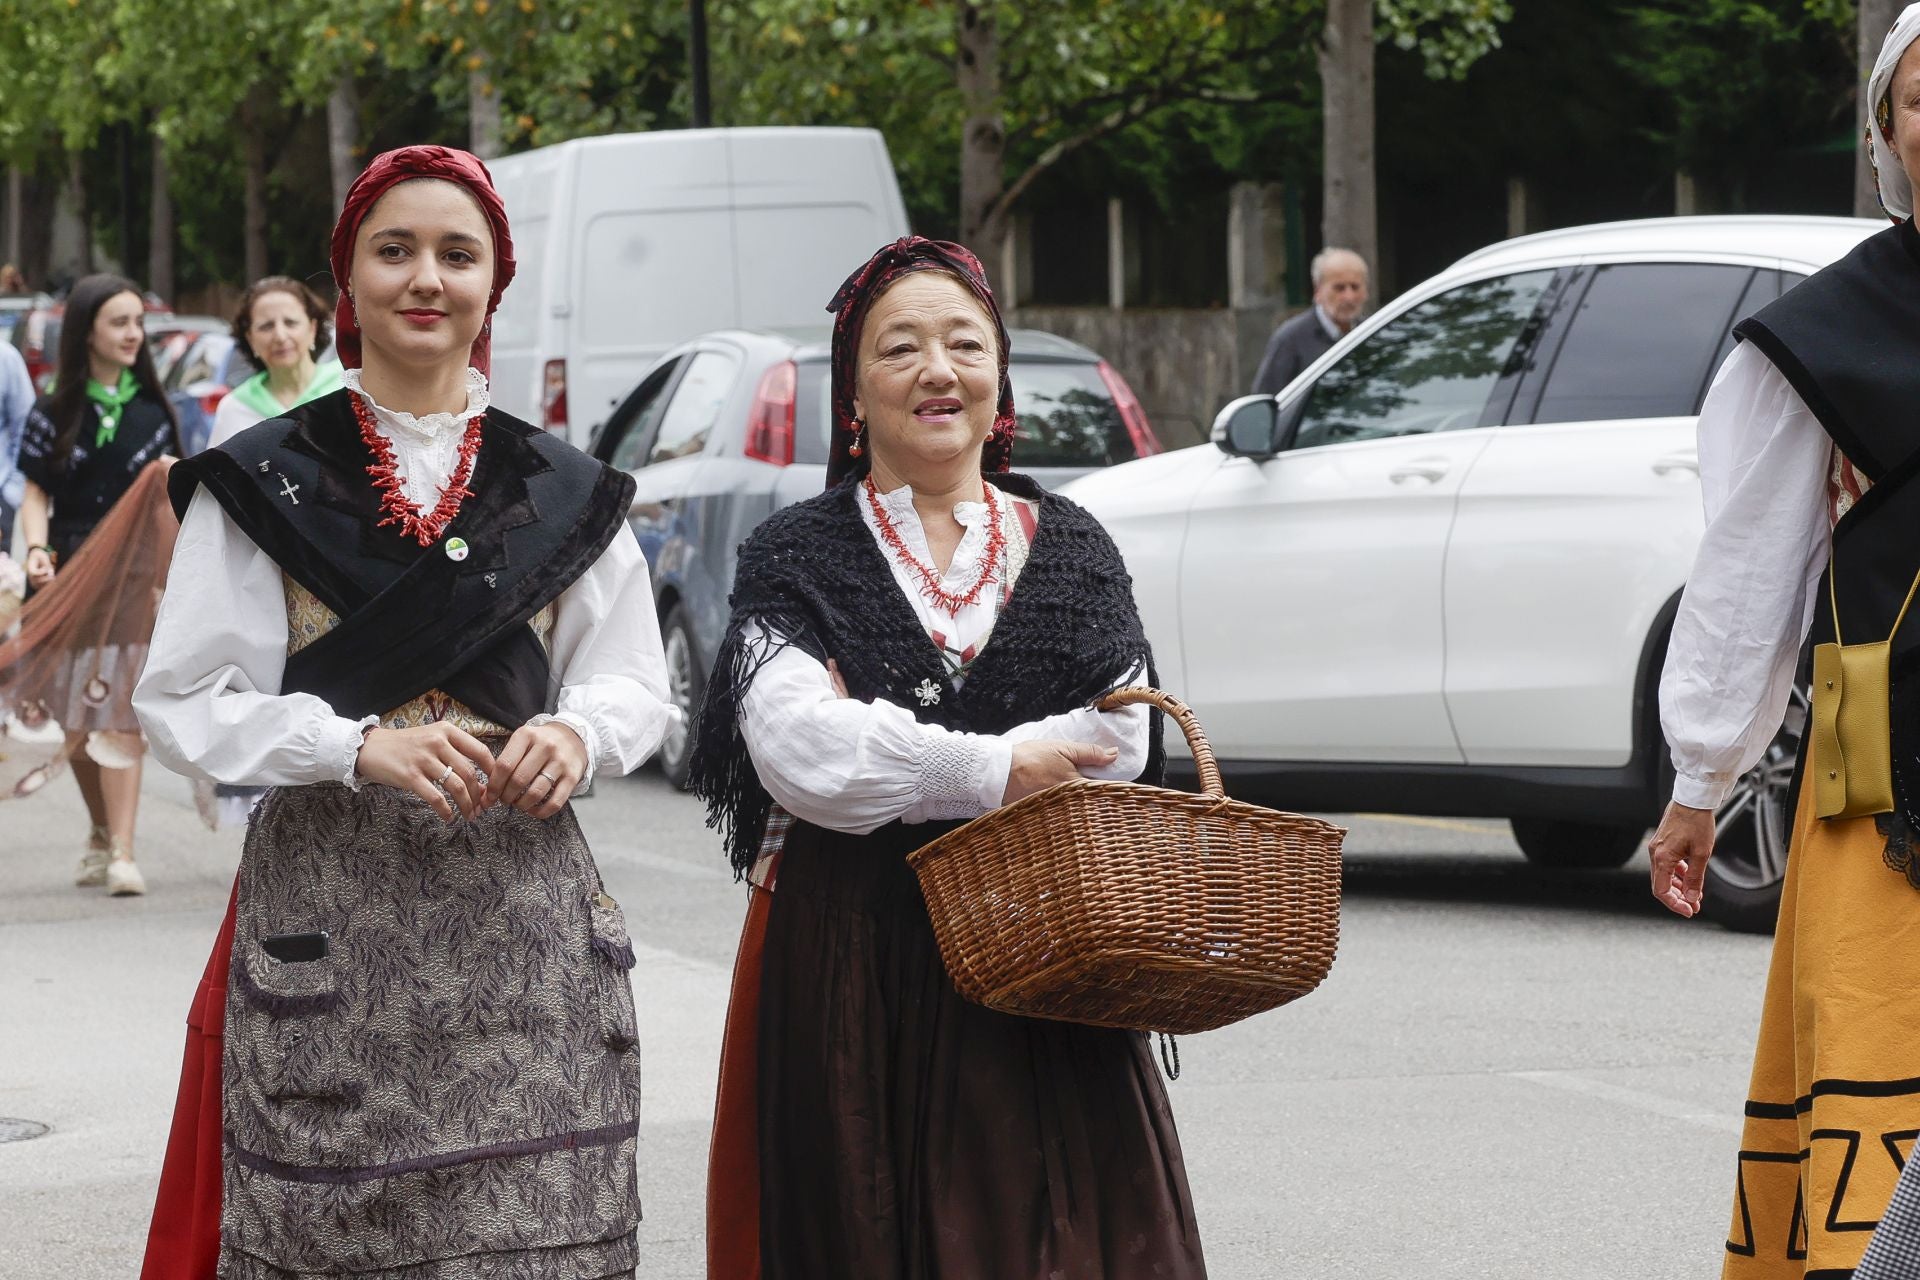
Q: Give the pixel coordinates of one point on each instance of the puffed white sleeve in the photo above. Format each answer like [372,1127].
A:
[609,671]
[1764,467]
[209,698]
[854,766]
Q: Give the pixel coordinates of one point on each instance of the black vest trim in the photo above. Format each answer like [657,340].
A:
[813,575]
[412,619]
[1844,338]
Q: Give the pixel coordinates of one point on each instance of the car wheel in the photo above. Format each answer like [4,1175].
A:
[1751,834]
[686,685]
[1575,846]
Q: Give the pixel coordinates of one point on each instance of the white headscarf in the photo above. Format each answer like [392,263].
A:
[1896,192]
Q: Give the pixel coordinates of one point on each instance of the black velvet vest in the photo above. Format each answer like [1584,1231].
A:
[413,619]
[1848,340]
[813,575]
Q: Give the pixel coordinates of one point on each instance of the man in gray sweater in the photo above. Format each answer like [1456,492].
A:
[1339,298]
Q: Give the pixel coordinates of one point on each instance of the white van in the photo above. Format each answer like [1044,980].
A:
[634,243]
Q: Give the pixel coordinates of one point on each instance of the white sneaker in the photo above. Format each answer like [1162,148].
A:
[124,879]
[93,863]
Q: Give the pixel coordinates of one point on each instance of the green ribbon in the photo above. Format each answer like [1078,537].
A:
[112,403]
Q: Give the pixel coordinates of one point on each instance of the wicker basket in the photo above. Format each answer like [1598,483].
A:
[1122,905]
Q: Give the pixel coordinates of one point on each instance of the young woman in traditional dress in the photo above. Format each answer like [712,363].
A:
[282,327]
[913,648]
[85,444]
[1808,460]
[425,624]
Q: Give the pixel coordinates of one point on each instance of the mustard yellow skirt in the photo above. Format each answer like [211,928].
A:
[1834,1107]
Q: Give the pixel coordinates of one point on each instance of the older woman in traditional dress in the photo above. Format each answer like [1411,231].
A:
[920,644]
[425,624]
[1808,457]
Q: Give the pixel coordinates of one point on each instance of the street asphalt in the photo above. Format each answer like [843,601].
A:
[1507,1074]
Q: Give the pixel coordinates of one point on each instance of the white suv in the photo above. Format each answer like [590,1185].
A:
[1437,572]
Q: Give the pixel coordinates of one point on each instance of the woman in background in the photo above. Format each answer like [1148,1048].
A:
[282,328]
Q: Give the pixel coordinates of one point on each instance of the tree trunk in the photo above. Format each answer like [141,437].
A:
[983,133]
[1350,219]
[83,211]
[16,211]
[160,226]
[343,139]
[483,115]
[1876,19]
[39,196]
[254,143]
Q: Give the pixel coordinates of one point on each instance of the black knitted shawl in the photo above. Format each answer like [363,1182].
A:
[813,576]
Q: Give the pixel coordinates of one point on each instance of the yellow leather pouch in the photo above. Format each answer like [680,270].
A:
[1851,729]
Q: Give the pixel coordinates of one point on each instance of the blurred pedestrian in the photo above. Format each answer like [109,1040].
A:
[11,281]
[85,444]
[1340,291]
[1808,461]
[16,402]
[282,328]
[871,1123]
[425,624]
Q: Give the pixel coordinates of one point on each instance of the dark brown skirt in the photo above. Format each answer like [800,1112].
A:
[905,1134]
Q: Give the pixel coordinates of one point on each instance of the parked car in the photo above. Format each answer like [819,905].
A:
[14,308]
[36,332]
[630,244]
[1436,574]
[199,378]
[726,429]
[169,336]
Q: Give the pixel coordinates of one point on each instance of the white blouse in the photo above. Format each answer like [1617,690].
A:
[1765,461]
[210,697]
[855,766]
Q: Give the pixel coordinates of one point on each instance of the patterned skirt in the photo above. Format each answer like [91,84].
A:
[1834,1106]
[430,1069]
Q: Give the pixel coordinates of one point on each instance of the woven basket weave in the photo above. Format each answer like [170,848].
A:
[1122,905]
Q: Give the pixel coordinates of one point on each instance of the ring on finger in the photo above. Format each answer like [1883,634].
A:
[441,781]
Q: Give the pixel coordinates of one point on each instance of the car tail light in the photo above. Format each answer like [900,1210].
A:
[1144,441]
[553,395]
[770,421]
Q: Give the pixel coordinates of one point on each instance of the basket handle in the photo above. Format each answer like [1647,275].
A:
[1189,723]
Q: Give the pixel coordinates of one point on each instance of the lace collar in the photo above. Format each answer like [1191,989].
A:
[432,426]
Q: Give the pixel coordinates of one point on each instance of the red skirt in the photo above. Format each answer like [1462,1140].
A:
[184,1241]
[733,1166]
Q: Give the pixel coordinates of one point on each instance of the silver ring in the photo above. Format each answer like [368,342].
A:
[441,781]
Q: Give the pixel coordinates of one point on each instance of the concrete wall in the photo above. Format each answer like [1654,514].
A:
[1184,365]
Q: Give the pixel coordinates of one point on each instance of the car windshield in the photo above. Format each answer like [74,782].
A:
[1067,416]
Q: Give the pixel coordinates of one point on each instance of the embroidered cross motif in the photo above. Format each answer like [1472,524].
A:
[928,692]
[288,489]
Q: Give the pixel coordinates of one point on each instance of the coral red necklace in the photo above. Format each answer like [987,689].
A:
[930,585]
[424,529]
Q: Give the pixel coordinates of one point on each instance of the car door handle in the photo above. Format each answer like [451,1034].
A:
[1685,460]
[1428,469]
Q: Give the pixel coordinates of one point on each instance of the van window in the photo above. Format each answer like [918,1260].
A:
[1431,369]
[697,401]
[1641,344]
[1067,418]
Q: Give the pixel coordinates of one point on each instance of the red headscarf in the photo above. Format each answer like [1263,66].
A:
[850,306]
[388,170]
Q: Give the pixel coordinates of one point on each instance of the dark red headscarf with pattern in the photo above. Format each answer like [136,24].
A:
[387,171]
[850,306]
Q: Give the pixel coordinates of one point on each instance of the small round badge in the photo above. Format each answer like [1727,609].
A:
[456,549]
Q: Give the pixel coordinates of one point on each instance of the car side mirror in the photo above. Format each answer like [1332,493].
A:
[1249,427]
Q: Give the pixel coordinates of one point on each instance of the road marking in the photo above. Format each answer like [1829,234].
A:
[1441,824]
[1568,1082]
